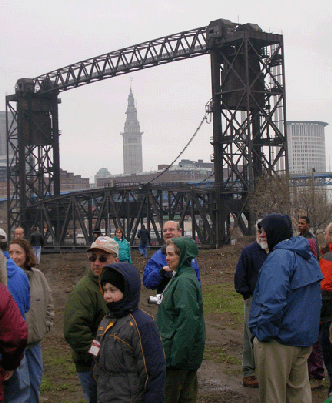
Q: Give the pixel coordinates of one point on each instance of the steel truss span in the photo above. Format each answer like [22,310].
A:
[249,134]
[144,55]
[66,216]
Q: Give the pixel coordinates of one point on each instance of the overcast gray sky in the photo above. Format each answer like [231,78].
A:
[41,36]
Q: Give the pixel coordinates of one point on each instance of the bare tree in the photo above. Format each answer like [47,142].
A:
[271,196]
[276,194]
[312,201]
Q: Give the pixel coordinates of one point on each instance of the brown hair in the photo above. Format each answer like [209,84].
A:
[30,260]
[119,229]
[176,249]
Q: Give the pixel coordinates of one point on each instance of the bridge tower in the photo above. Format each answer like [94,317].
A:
[33,169]
[249,137]
[249,114]
[132,140]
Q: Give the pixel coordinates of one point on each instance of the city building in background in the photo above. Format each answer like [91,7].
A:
[3,140]
[132,140]
[102,173]
[69,182]
[306,146]
[3,134]
[185,172]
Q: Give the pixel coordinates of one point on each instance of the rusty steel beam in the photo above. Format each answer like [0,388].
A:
[128,207]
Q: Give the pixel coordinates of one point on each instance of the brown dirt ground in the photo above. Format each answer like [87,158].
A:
[218,381]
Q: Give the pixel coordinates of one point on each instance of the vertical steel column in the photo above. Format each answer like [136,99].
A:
[55,145]
[22,182]
[217,146]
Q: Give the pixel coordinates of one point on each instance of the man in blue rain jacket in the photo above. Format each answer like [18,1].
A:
[285,313]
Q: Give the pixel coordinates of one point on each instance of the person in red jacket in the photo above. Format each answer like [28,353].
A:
[13,337]
[325,265]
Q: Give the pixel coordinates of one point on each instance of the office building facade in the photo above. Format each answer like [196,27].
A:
[306,146]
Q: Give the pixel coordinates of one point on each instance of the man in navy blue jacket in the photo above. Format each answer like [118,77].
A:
[285,313]
[251,260]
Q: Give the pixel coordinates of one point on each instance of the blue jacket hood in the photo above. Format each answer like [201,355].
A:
[11,266]
[131,296]
[297,244]
[277,227]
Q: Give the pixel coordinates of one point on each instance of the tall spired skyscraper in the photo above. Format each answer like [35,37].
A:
[132,140]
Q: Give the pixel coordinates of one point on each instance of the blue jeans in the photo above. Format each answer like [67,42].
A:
[143,249]
[37,252]
[89,385]
[17,388]
[35,366]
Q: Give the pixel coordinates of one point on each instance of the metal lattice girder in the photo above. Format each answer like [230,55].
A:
[33,169]
[147,54]
[13,200]
[249,133]
[253,133]
[248,106]
[82,211]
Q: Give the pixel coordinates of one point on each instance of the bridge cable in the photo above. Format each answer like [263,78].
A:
[205,118]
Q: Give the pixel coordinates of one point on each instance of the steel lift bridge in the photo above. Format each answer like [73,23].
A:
[248,111]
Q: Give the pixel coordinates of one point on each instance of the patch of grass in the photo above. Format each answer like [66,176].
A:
[216,354]
[46,385]
[59,373]
[76,401]
[222,299]
[62,362]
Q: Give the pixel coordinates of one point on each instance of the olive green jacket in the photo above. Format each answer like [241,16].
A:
[84,311]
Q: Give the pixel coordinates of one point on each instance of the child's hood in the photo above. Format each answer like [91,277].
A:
[131,295]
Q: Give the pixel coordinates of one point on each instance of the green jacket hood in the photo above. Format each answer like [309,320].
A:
[188,250]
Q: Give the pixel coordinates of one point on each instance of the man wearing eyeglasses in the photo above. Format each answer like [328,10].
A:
[157,274]
[84,311]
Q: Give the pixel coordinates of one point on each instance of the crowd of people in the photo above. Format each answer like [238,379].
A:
[122,354]
[27,313]
[287,293]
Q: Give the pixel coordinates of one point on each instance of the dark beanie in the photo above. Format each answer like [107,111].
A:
[113,277]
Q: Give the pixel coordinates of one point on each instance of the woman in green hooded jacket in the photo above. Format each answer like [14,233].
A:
[181,324]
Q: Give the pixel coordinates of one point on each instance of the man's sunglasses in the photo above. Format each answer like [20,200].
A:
[102,258]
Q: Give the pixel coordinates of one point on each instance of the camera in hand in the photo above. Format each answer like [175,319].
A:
[155,299]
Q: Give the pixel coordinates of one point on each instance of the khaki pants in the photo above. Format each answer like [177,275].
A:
[248,359]
[282,373]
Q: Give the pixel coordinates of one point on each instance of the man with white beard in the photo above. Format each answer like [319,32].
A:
[251,260]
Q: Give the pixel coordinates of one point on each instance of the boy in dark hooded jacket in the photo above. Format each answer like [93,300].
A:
[130,361]
[285,312]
